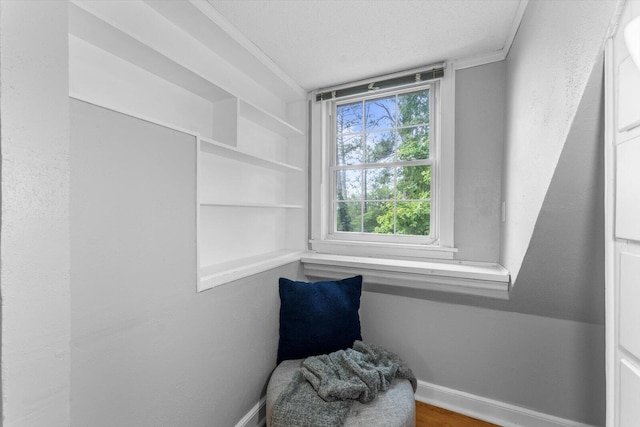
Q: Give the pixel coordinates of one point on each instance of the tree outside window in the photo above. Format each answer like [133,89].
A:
[382,167]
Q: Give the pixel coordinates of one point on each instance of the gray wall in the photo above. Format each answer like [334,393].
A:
[145,348]
[478,162]
[548,365]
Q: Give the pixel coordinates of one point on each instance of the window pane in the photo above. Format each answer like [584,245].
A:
[414,183]
[349,149]
[381,146]
[378,184]
[413,108]
[372,134]
[381,113]
[414,143]
[349,216]
[349,118]
[413,218]
[348,185]
[378,217]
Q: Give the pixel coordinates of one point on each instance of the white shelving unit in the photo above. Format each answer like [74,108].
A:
[250,195]
[249,124]
[268,120]
[215,275]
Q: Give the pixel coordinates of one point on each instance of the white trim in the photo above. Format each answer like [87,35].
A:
[256,417]
[500,55]
[250,205]
[489,410]
[381,249]
[488,280]
[476,61]
[199,173]
[445,171]
[610,246]
[482,408]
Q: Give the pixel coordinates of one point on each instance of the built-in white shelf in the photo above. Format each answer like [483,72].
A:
[243,111]
[99,33]
[228,151]
[250,205]
[219,274]
[205,24]
[268,120]
[164,60]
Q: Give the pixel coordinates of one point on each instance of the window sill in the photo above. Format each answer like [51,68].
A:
[381,250]
[480,279]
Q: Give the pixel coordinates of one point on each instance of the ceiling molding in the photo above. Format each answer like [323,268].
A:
[476,61]
[500,55]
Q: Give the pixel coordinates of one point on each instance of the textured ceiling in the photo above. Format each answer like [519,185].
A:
[320,43]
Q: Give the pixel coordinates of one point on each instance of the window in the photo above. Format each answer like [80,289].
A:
[382,170]
[382,187]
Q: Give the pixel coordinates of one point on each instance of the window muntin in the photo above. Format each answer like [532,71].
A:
[383,167]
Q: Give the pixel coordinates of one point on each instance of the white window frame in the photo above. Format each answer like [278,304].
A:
[432,162]
[371,245]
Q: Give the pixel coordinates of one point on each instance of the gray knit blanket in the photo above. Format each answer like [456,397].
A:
[322,392]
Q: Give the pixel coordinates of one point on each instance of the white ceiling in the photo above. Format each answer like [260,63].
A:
[322,43]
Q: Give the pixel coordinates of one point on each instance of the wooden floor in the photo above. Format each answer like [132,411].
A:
[432,416]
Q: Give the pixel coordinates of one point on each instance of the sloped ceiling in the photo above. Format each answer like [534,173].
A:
[320,43]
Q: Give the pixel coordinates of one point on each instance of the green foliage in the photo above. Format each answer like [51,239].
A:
[413,108]
[411,218]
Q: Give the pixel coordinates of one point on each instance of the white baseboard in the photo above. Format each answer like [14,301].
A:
[256,417]
[489,410]
[492,411]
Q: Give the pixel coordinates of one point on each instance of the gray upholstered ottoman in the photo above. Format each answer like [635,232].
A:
[393,408]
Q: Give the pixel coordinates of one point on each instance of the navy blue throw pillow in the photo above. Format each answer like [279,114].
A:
[318,317]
